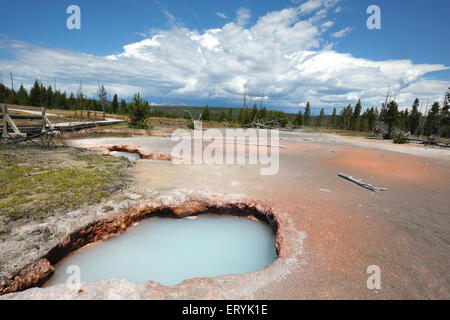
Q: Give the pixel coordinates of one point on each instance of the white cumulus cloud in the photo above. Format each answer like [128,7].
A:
[284,54]
[243,15]
[222,15]
[342,33]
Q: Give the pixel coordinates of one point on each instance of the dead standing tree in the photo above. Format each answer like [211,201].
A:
[381,127]
[102,95]
[261,123]
[81,101]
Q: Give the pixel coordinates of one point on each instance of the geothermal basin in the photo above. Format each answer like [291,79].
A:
[128,155]
[328,230]
[170,250]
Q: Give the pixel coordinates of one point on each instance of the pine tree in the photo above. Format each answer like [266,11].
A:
[406,120]
[49,97]
[364,123]
[372,118]
[246,116]
[58,100]
[222,116]
[115,104]
[263,113]
[35,94]
[72,102]
[63,102]
[12,98]
[307,116]
[241,116]
[43,96]
[392,116]
[433,120]
[333,118]
[254,115]
[138,112]
[4,92]
[299,119]
[345,118]
[22,96]
[123,107]
[321,117]
[414,117]
[206,115]
[355,116]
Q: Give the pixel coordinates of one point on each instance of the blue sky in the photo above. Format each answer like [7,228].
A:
[199,52]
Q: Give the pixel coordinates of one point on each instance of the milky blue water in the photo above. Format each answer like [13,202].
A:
[170,250]
[130,156]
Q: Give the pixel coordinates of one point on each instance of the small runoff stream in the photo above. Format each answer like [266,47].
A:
[129,155]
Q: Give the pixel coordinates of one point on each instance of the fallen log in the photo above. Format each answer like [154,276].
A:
[23,117]
[360,183]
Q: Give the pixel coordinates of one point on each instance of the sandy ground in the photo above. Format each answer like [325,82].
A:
[405,230]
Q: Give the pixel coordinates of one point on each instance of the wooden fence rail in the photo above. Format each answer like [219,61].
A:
[8,122]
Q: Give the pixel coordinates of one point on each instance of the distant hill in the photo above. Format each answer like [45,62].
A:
[195,110]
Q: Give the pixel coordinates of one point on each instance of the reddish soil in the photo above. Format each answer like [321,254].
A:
[387,165]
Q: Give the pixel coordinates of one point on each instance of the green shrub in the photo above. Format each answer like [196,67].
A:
[139,112]
[400,138]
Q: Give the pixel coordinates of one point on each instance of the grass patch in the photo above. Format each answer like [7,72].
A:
[115,125]
[338,132]
[39,183]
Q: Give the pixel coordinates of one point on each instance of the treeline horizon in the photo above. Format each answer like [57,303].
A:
[434,122]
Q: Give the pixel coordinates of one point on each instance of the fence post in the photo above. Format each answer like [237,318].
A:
[5,120]
[43,120]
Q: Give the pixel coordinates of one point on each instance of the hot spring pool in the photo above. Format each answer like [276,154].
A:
[171,250]
[130,156]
